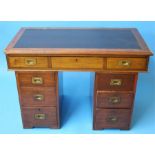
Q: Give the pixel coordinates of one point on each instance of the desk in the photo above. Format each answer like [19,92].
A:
[37,55]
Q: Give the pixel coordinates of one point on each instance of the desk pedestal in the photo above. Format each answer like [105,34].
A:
[113,100]
[39,95]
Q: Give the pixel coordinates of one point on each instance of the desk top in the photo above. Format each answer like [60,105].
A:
[78,41]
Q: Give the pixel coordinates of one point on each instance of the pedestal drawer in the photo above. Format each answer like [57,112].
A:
[114,99]
[33,79]
[115,82]
[39,117]
[112,118]
[40,96]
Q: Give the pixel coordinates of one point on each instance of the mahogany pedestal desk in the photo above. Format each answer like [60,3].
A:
[115,55]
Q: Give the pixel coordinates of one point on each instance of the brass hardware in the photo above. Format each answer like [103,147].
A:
[112,119]
[30,61]
[115,82]
[125,63]
[37,80]
[38,97]
[40,116]
[114,100]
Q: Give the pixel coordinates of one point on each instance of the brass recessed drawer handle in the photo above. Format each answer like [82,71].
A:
[40,116]
[37,80]
[115,82]
[114,100]
[125,63]
[112,119]
[38,97]
[30,61]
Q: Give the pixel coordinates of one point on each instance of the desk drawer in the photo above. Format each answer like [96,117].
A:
[112,118]
[114,99]
[40,96]
[115,82]
[77,63]
[36,79]
[39,117]
[28,62]
[127,64]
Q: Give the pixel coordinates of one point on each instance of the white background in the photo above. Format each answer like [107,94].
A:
[80,10]
[77,10]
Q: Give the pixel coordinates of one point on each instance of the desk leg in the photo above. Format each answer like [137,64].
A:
[113,100]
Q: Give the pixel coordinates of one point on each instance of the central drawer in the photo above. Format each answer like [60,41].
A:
[77,63]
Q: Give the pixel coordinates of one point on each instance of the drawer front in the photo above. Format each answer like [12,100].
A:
[40,96]
[36,78]
[115,82]
[127,64]
[114,100]
[39,117]
[112,118]
[27,62]
[77,63]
